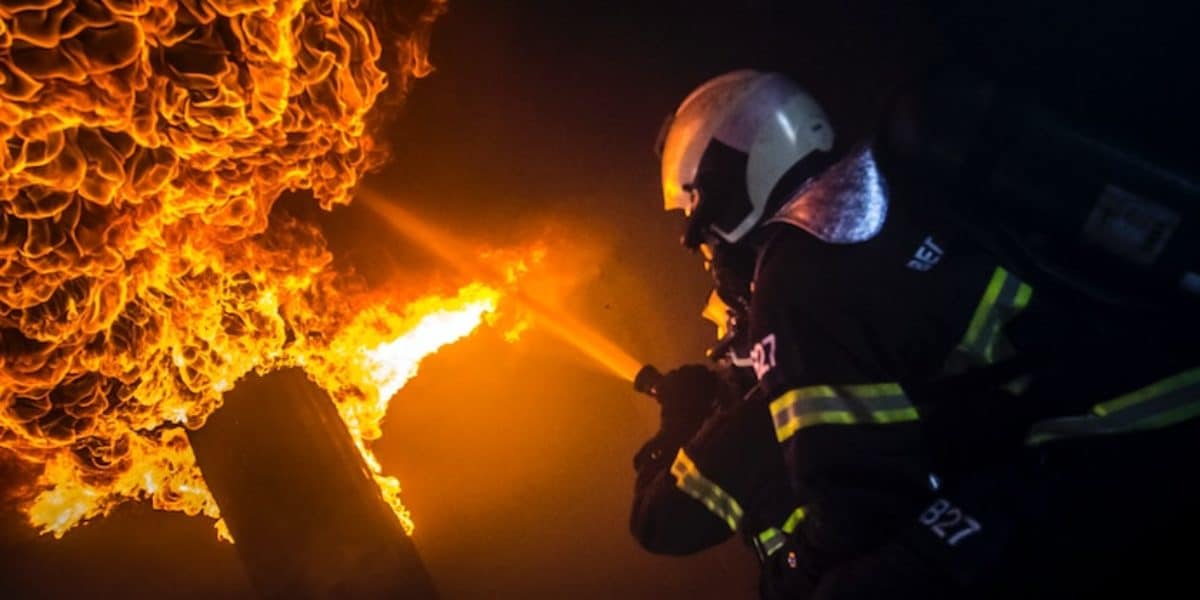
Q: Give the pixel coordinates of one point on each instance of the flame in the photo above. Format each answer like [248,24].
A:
[393,363]
[143,267]
[379,351]
[553,319]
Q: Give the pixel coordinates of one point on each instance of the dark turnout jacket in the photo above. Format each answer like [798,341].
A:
[953,431]
[913,449]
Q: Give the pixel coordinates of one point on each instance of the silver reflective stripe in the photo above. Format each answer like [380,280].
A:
[1004,298]
[693,483]
[770,541]
[878,403]
[773,538]
[1164,403]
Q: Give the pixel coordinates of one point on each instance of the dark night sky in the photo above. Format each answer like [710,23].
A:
[516,459]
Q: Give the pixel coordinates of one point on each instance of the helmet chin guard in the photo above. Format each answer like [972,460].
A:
[767,119]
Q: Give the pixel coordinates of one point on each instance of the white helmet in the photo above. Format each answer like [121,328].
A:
[729,145]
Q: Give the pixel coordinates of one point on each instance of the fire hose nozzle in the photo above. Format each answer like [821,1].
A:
[647,379]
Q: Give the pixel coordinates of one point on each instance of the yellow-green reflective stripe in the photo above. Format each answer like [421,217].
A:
[772,538]
[880,403]
[1158,388]
[1172,416]
[689,479]
[1161,404]
[1024,295]
[794,520]
[1004,297]
[771,541]
[979,320]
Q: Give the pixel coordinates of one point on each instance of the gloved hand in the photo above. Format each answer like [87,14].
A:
[686,396]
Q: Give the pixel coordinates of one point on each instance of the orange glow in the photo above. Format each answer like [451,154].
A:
[585,339]
[143,271]
[379,351]
[717,312]
[456,253]
[392,363]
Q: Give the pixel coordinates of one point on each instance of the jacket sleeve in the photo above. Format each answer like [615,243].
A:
[691,493]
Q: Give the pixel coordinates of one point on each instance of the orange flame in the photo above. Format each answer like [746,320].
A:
[379,351]
[558,322]
[142,269]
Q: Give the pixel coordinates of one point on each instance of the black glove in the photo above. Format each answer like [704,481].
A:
[686,396]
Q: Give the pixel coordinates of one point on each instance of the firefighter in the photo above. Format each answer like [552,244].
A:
[950,424]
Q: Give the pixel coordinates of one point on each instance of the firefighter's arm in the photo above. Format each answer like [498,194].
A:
[691,484]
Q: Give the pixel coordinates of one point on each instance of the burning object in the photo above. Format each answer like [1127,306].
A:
[142,269]
[300,500]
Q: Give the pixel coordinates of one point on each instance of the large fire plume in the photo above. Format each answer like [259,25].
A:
[143,270]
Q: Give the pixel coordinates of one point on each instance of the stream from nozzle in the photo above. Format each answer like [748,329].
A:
[453,252]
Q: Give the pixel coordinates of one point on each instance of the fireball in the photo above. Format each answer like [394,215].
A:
[143,270]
